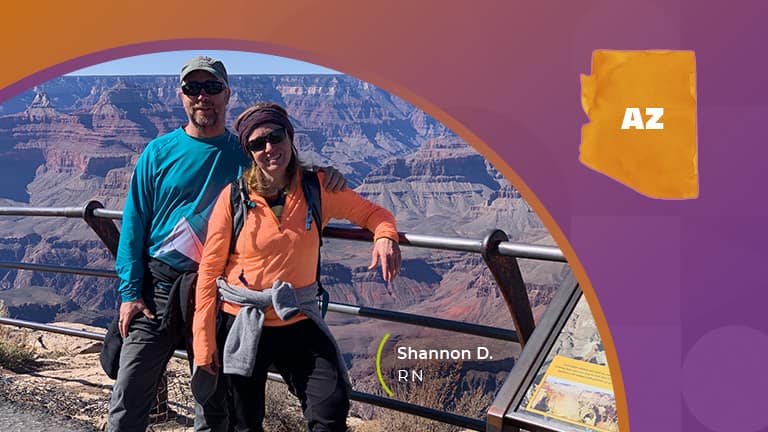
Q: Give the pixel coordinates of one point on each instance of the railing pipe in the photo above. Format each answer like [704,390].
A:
[71,212]
[421,411]
[545,253]
[430,413]
[424,321]
[108,214]
[59,269]
[415,240]
[53,329]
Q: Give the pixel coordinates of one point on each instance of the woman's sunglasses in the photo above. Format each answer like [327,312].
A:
[259,144]
[193,88]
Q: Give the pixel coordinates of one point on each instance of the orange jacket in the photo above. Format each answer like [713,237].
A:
[268,250]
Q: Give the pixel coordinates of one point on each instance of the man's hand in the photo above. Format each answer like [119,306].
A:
[334,180]
[127,312]
[388,252]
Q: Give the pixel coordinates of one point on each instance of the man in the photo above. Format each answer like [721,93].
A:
[174,186]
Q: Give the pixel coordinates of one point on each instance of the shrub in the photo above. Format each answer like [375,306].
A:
[15,352]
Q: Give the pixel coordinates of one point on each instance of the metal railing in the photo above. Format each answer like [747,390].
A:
[499,255]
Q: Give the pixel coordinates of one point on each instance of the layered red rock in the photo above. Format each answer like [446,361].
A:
[77,138]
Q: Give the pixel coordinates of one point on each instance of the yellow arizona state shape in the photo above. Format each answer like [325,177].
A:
[642,129]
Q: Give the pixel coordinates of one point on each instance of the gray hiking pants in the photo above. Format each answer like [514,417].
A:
[143,359]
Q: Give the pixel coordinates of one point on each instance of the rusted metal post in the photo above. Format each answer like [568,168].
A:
[503,414]
[104,228]
[507,274]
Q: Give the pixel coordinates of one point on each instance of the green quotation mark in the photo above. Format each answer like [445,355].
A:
[378,366]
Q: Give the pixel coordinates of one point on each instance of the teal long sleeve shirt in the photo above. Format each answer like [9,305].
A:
[173,188]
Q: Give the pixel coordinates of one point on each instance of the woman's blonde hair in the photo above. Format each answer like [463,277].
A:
[254,176]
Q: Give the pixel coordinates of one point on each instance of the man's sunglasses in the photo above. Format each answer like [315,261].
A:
[259,144]
[193,88]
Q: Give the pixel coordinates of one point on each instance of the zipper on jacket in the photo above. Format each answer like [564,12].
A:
[242,278]
[269,210]
[288,200]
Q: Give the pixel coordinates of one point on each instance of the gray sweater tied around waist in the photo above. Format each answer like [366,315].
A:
[242,343]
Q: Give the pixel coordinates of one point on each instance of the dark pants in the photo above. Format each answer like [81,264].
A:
[143,359]
[307,361]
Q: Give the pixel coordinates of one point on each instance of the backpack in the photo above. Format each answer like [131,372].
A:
[310,184]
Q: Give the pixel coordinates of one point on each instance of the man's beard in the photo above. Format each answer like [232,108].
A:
[202,120]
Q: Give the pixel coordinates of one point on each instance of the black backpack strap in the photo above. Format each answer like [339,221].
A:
[240,203]
[310,184]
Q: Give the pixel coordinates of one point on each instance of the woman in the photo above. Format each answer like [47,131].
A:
[268,288]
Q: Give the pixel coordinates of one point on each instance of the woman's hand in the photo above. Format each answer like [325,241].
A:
[388,252]
[212,368]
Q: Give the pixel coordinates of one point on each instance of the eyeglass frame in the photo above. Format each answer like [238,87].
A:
[208,86]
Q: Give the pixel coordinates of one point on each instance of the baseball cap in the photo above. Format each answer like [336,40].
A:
[208,64]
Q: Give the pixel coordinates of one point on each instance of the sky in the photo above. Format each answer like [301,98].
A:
[237,63]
